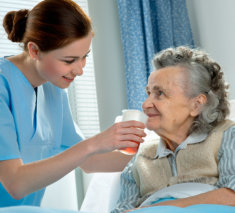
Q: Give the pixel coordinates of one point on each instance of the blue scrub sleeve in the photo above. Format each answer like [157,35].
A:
[71,132]
[9,148]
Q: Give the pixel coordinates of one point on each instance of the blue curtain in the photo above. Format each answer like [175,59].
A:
[148,26]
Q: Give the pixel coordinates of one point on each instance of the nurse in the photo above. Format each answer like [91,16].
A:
[39,142]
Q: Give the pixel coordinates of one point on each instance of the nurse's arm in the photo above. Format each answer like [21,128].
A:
[22,179]
[108,162]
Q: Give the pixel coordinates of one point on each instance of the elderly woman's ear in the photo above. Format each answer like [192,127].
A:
[197,104]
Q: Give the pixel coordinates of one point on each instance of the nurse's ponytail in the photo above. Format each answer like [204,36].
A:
[51,24]
[14,24]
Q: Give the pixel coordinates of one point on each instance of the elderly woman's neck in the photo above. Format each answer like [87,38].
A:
[172,142]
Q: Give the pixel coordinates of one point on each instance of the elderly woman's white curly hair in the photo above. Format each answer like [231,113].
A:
[204,76]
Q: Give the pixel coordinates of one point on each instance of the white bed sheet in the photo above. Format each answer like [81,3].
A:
[102,193]
[181,190]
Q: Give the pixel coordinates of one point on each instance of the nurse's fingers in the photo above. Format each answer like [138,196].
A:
[130,138]
[132,123]
[133,131]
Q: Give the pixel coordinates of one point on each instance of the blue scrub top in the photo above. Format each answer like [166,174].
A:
[32,126]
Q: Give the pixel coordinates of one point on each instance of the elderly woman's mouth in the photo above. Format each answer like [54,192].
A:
[150,115]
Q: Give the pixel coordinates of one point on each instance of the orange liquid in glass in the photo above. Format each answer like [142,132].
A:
[130,150]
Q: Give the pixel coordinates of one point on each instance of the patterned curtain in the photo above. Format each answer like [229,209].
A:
[148,26]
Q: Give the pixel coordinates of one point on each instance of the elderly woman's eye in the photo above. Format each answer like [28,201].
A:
[148,93]
[159,93]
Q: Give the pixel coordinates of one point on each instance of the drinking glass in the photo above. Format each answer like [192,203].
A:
[132,114]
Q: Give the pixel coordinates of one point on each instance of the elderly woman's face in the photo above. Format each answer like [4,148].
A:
[169,110]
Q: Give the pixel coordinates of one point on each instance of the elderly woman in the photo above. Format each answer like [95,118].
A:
[187,105]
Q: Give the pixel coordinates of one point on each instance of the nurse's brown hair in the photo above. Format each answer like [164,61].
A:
[51,24]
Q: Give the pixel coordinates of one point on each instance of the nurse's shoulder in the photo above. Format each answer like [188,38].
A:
[5,77]
[7,70]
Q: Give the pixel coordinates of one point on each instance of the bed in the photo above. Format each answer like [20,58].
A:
[103,191]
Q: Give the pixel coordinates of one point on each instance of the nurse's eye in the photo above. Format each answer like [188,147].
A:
[69,61]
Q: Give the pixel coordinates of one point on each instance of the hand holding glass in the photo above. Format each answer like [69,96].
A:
[128,115]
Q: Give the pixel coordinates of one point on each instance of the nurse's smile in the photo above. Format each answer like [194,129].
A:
[68,79]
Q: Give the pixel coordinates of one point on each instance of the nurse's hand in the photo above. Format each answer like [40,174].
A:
[120,135]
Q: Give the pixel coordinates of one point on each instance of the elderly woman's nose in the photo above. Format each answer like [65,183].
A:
[147,103]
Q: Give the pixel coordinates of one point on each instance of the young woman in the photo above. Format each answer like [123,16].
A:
[38,139]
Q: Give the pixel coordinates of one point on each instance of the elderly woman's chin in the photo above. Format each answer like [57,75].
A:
[150,125]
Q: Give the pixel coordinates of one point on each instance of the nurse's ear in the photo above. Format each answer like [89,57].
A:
[33,50]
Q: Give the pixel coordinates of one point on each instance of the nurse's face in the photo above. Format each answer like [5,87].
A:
[61,66]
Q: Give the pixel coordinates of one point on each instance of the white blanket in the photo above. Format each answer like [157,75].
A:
[182,190]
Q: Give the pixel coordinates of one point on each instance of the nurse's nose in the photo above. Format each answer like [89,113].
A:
[78,68]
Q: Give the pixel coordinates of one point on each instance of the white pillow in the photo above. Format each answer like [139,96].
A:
[232,110]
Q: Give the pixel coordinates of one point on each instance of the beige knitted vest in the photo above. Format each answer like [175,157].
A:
[197,163]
